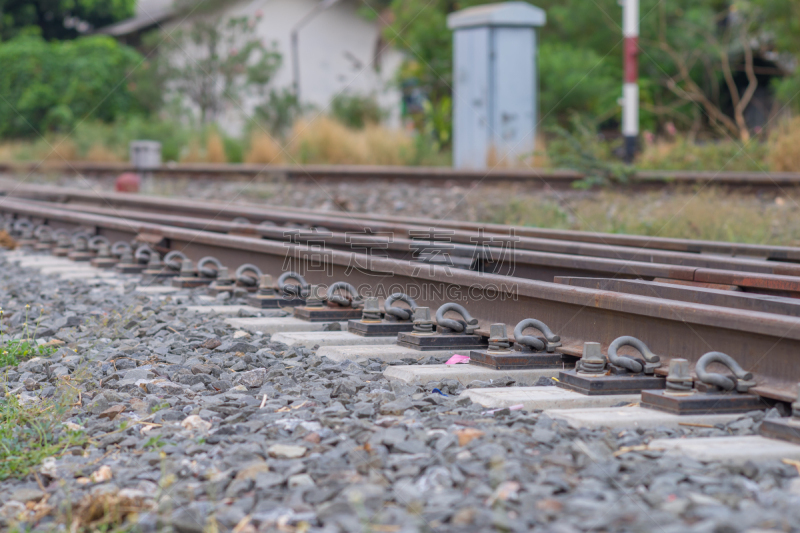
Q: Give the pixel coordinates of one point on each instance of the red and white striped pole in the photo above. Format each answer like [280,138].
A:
[630,88]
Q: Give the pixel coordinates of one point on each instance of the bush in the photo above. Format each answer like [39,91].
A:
[53,86]
[356,111]
[575,80]
[279,112]
[98,141]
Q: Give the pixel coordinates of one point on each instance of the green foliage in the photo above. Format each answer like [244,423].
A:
[356,111]
[279,111]
[716,155]
[371,9]
[158,407]
[437,122]
[60,19]
[581,150]
[575,80]
[226,61]
[684,48]
[420,28]
[52,86]
[153,443]
[234,149]
[13,352]
[173,135]
[30,432]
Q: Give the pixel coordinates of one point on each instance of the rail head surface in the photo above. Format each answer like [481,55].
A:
[765,344]
[440,174]
[219,210]
[543,265]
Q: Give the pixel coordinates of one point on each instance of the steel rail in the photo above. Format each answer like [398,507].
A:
[765,344]
[527,264]
[562,178]
[201,208]
[411,231]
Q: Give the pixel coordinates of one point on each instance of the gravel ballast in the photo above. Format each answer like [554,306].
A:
[194,426]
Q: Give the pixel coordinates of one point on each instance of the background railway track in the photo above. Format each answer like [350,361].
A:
[553,178]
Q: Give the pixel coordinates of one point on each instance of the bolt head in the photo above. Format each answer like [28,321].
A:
[371,304]
[679,369]
[266,280]
[592,352]
[422,314]
[187,266]
[498,331]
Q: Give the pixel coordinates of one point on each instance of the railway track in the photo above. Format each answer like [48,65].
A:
[633,334]
[434,175]
[681,305]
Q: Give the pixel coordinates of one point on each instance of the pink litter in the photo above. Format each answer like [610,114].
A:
[458,359]
[516,407]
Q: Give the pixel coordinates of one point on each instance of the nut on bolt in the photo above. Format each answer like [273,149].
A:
[592,360]
[679,378]
[314,299]
[187,269]
[371,311]
[265,286]
[498,339]
[423,325]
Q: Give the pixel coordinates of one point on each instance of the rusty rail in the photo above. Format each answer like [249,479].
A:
[766,344]
[558,178]
[529,264]
[281,214]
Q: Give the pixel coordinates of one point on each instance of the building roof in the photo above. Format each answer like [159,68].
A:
[502,14]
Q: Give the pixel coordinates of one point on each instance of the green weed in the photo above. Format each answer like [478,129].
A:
[156,408]
[153,443]
[14,351]
[34,430]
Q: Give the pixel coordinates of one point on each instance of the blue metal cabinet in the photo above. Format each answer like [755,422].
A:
[495,82]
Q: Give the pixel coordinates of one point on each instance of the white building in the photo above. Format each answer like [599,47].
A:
[340,51]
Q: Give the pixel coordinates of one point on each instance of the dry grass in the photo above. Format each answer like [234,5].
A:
[109,510]
[784,147]
[215,149]
[9,150]
[193,153]
[709,214]
[263,150]
[682,154]
[102,154]
[325,141]
[61,149]
[6,241]
[535,159]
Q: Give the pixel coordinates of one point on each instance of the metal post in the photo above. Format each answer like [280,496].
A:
[630,88]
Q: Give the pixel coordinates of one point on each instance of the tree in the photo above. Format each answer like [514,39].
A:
[699,61]
[60,19]
[49,86]
[697,47]
[215,62]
